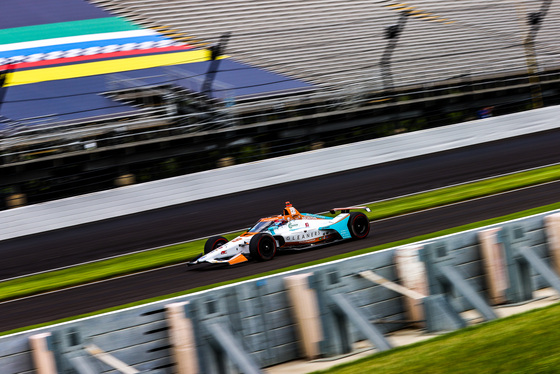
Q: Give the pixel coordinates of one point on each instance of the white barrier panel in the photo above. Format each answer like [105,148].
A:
[158,194]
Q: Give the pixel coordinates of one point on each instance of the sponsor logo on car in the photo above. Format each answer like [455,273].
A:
[304,236]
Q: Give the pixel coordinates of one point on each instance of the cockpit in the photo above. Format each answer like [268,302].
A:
[264,225]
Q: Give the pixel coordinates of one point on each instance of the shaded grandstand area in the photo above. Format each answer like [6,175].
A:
[82,97]
[61,100]
[39,12]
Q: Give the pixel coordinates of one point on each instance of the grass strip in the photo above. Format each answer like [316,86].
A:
[437,234]
[160,257]
[523,343]
[463,192]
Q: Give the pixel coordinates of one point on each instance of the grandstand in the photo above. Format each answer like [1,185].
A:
[102,88]
[338,43]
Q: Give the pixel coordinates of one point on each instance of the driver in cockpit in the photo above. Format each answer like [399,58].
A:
[290,212]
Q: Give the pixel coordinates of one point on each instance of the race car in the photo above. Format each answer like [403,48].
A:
[290,230]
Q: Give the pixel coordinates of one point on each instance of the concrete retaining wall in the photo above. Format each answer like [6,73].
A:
[152,195]
[258,313]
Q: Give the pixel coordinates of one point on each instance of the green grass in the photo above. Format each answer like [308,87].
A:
[463,192]
[523,343]
[183,252]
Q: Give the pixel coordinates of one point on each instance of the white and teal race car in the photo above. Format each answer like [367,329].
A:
[291,230]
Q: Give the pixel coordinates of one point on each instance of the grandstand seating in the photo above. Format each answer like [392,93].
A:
[336,43]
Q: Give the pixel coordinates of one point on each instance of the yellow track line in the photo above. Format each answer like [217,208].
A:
[105,67]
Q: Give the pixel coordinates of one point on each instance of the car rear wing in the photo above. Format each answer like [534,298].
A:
[347,209]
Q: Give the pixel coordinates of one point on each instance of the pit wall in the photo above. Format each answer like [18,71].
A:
[258,323]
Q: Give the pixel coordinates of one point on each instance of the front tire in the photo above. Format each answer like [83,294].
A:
[358,224]
[213,243]
[262,247]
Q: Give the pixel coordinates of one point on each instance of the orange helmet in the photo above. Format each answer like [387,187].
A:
[288,204]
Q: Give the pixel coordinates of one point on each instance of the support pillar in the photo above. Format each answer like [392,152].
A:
[412,274]
[181,336]
[494,266]
[43,356]
[306,312]
[552,225]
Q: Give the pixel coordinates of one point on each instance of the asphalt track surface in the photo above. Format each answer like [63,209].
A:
[183,222]
[193,220]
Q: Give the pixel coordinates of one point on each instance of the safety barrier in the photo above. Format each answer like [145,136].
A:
[318,311]
[152,195]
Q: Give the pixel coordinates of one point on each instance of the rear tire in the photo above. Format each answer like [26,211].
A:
[358,224]
[213,243]
[262,247]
